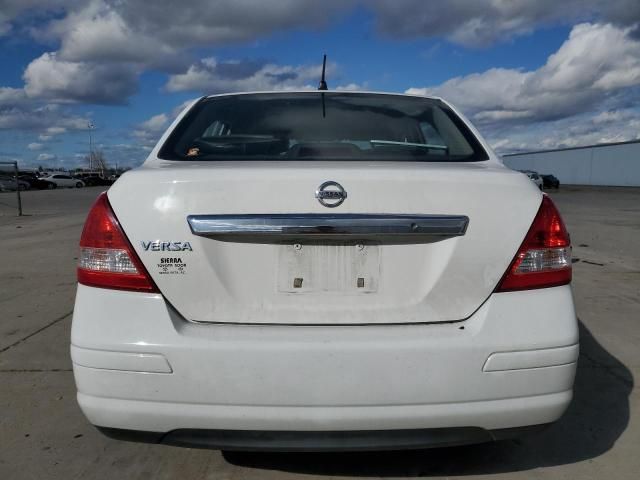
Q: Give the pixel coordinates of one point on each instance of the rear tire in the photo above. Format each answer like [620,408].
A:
[79,185]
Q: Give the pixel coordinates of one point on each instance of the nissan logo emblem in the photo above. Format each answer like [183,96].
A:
[331,194]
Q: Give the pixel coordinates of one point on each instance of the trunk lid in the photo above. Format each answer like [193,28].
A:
[335,278]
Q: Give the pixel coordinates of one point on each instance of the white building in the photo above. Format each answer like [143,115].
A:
[612,164]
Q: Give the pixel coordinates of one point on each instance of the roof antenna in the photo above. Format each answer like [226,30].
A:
[323,84]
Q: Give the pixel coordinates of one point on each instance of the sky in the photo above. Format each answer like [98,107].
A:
[530,74]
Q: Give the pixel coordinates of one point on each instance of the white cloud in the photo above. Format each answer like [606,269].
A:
[11,97]
[47,77]
[216,22]
[352,87]
[20,112]
[611,116]
[177,110]
[479,23]
[157,122]
[553,105]
[99,33]
[35,146]
[569,132]
[12,10]
[148,132]
[106,44]
[210,76]
[578,77]
[56,130]
[155,34]
[150,31]
[44,157]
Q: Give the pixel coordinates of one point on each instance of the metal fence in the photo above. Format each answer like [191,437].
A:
[7,185]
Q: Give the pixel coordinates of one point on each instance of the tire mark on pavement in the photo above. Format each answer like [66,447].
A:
[36,370]
[50,324]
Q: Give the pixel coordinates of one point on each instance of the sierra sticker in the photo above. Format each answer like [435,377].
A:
[171,266]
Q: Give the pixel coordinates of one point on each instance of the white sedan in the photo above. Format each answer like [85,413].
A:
[323,271]
[63,180]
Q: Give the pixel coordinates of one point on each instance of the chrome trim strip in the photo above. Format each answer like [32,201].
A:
[318,225]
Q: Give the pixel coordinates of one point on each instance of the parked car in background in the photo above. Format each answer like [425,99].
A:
[232,295]
[7,185]
[8,182]
[534,177]
[63,180]
[38,183]
[96,180]
[550,181]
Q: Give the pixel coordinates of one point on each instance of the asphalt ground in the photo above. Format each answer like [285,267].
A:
[44,435]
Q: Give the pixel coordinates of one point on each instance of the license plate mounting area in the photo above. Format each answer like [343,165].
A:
[329,267]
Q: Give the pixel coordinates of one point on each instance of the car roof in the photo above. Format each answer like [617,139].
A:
[350,92]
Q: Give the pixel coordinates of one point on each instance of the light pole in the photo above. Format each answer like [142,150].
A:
[90,126]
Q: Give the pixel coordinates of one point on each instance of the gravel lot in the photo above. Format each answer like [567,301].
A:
[44,435]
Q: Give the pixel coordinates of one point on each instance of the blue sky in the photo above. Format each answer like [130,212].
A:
[530,75]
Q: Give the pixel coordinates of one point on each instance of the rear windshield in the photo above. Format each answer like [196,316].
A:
[322,126]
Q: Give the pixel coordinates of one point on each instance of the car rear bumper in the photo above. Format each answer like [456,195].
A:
[292,441]
[140,367]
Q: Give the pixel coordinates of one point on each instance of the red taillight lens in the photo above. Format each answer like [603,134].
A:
[544,259]
[107,259]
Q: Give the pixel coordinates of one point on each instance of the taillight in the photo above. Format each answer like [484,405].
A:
[544,258]
[107,259]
